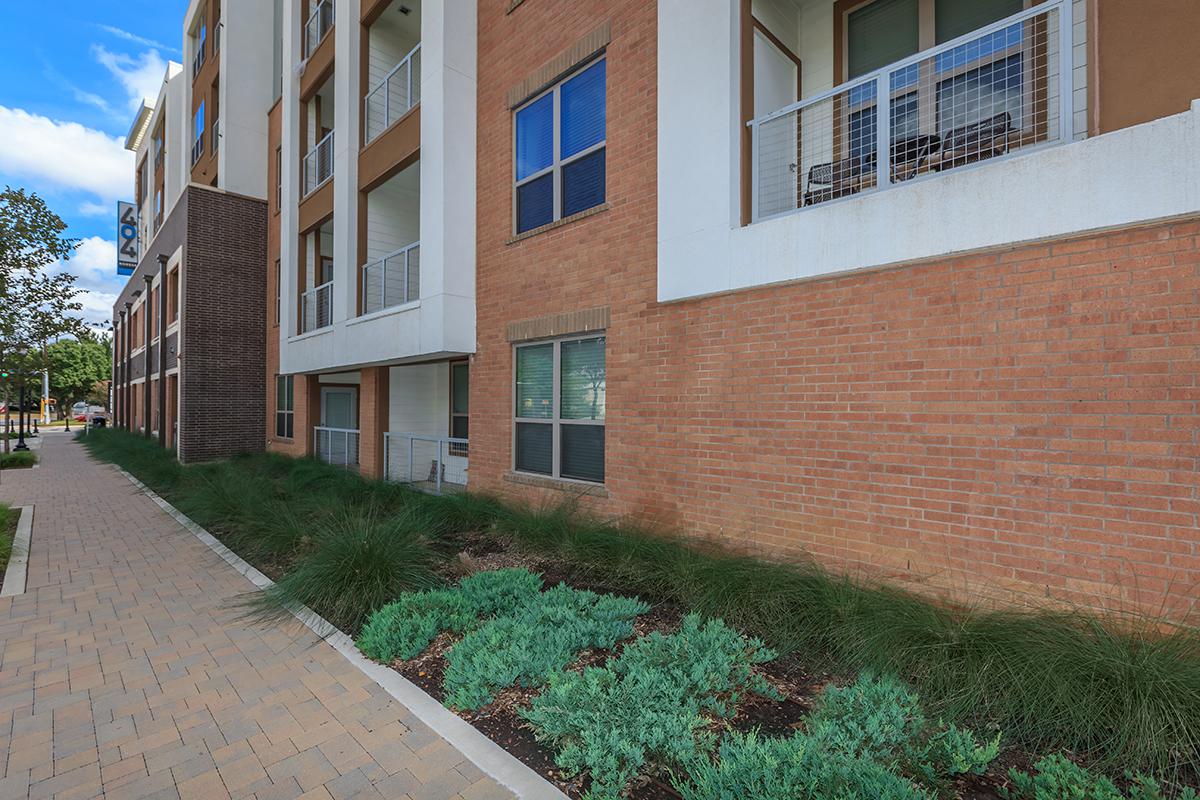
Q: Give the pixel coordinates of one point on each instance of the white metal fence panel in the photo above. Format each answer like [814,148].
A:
[316,308]
[433,463]
[392,280]
[318,24]
[392,97]
[318,164]
[338,446]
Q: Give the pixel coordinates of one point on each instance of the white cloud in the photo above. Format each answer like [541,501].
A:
[133,37]
[64,155]
[94,265]
[90,209]
[141,76]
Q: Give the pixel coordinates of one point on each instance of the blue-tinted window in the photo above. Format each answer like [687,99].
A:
[571,117]
[199,121]
[535,136]
[535,203]
[583,183]
[582,110]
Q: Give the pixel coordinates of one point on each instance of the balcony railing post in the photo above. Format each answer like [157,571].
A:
[883,125]
[1066,68]
[754,170]
[438,466]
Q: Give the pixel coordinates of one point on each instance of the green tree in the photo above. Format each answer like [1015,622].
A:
[36,304]
[76,366]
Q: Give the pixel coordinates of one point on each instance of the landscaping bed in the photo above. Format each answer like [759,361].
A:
[8,529]
[1118,698]
[22,459]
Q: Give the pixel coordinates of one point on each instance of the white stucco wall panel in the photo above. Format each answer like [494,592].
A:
[1126,177]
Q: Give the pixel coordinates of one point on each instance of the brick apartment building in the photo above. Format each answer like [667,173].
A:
[677,261]
[958,350]
[188,324]
[371,237]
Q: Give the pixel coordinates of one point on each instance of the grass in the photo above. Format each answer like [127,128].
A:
[8,528]
[1118,690]
[18,460]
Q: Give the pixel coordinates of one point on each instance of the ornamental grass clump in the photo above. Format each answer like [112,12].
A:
[867,741]
[542,637]
[357,564]
[649,708]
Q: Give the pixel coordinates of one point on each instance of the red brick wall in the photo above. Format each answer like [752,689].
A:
[1022,419]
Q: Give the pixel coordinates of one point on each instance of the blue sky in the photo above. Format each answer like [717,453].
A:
[73,73]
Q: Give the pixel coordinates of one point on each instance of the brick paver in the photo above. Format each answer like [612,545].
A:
[126,670]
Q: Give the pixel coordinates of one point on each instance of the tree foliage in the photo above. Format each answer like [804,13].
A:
[76,366]
[36,304]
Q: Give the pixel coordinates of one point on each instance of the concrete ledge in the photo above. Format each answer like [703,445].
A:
[18,563]
[491,758]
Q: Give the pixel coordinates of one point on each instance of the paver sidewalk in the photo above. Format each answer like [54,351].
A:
[127,672]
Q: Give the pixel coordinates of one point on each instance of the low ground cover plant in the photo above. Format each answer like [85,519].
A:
[1120,690]
[1058,778]
[403,628]
[650,708]
[868,741]
[515,634]
[541,638]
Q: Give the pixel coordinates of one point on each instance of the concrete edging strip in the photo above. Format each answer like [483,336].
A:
[18,562]
[505,768]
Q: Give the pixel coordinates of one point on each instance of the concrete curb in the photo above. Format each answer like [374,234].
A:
[491,758]
[18,563]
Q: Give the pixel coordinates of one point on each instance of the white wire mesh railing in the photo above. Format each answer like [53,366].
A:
[392,280]
[393,96]
[318,164]
[337,446]
[433,463]
[316,307]
[318,24]
[982,95]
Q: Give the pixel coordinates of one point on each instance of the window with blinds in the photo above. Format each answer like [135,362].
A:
[559,415]
[560,150]
[954,18]
[880,33]
[285,399]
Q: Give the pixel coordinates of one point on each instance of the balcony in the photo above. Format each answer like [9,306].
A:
[432,463]
[393,96]
[197,149]
[320,21]
[1004,87]
[337,446]
[316,307]
[392,280]
[318,164]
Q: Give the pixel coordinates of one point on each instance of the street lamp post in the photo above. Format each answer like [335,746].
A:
[21,421]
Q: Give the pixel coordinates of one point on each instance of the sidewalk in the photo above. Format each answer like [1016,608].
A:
[125,672]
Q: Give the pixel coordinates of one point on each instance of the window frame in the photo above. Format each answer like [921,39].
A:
[285,415]
[555,420]
[278,291]
[278,179]
[454,448]
[557,163]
